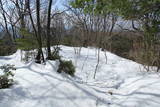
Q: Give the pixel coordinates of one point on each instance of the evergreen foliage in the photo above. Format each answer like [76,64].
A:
[67,67]
[120,45]
[55,55]
[7,47]
[5,80]
[27,41]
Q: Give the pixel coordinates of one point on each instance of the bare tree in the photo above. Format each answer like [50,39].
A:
[4,17]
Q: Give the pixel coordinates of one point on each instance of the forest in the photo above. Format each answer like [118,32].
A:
[74,53]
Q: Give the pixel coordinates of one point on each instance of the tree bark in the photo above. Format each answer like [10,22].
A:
[49,56]
[40,52]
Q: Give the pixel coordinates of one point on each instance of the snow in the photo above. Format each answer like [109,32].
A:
[119,83]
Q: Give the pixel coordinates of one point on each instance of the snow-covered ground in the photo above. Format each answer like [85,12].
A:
[119,83]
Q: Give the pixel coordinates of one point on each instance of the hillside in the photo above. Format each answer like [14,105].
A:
[119,83]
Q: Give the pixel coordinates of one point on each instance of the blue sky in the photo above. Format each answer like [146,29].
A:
[60,3]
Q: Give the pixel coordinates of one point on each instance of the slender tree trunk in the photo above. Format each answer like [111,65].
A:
[40,52]
[98,60]
[48,30]
[36,31]
[20,5]
[13,33]
[31,18]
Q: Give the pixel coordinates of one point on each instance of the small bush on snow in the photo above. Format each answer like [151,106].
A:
[56,56]
[67,67]
[5,79]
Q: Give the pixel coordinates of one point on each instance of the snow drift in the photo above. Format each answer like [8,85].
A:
[119,83]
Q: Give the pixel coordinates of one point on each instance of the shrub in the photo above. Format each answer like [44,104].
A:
[7,49]
[7,46]
[5,80]
[67,67]
[27,41]
[67,40]
[121,45]
[55,54]
[28,56]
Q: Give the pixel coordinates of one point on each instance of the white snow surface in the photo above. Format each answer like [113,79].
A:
[118,83]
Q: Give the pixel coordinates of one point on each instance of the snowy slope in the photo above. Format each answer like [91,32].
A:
[119,83]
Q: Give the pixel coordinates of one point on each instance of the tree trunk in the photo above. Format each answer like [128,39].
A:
[49,56]
[40,52]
